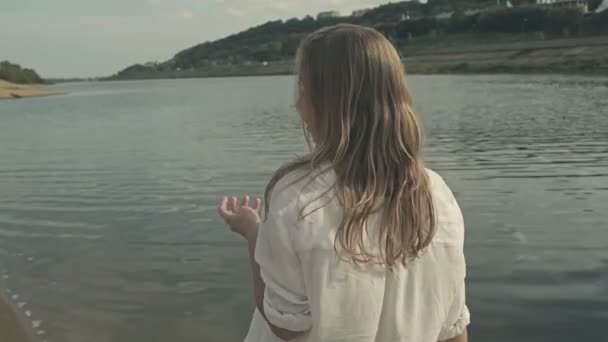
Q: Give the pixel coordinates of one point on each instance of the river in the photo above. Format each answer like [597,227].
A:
[108,229]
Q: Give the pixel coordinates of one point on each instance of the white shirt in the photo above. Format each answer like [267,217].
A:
[309,288]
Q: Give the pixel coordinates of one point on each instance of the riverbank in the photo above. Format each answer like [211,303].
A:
[560,56]
[11,327]
[579,55]
[10,90]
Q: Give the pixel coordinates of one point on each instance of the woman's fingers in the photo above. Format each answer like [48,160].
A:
[223,209]
[232,204]
[257,204]
[245,202]
[228,206]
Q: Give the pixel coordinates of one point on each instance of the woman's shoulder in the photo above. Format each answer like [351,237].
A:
[300,186]
[435,178]
[449,219]
[440,190]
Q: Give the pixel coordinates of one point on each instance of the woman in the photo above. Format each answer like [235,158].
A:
[360,242]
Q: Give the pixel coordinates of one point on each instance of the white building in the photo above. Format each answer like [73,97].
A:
[448,15]
[328,15]
[581,4]
[444,15]
[602,7]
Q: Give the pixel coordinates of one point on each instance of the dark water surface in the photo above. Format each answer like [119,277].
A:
[108,229]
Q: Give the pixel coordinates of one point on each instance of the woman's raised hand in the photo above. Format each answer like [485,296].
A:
[244,219]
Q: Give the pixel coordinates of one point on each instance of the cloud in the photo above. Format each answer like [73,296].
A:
[186,14]
[279,5]
[291,7]
[235,12]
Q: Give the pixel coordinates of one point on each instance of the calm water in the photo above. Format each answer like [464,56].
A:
[108,229]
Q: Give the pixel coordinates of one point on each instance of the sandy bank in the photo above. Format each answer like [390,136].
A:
[14,91]
[11,328]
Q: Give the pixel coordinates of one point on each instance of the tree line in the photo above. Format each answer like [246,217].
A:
[401,22]
[16,74]
[528,19]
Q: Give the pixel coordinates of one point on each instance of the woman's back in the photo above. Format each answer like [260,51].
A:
[311,287]
[361,243]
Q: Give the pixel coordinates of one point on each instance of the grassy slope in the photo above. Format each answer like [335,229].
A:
[459,54]
[574,55]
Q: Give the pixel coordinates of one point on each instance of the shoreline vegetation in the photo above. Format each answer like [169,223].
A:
[17,82]
[437,37]
[12,327]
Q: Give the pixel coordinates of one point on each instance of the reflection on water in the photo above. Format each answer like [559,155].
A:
[107,202]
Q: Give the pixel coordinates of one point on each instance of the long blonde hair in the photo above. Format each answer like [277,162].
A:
[367,130]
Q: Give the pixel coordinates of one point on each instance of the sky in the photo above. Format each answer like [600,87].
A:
[88,38]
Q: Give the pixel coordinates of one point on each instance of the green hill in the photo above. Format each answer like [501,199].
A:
[14,73]
[269,48]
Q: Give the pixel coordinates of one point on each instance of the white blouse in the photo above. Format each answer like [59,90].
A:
[310,289]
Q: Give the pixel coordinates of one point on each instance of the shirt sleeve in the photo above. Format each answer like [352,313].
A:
[458,316]
[285,301]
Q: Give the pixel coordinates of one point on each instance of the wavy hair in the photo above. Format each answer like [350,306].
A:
[365,128]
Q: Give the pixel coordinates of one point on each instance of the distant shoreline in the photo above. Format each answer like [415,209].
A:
[582,56]
[419,70]
[10,90]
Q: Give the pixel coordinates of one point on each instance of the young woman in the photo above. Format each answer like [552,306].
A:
[360,242]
